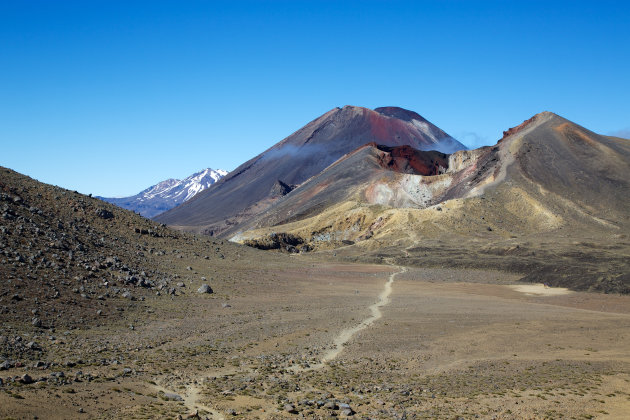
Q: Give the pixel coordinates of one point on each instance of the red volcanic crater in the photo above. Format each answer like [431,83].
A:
[408,160]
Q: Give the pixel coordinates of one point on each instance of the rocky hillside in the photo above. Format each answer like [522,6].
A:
[167,194]
[70,260]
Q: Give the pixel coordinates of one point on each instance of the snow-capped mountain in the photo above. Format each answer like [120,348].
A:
[168,194]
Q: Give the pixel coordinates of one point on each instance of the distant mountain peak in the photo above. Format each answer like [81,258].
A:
[169,193]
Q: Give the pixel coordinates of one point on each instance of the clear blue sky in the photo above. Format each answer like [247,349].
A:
[110,97]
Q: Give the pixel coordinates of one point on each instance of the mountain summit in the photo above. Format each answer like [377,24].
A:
[253,187]
[167,194]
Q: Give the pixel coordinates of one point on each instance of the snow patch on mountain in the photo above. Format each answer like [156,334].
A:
[167,194]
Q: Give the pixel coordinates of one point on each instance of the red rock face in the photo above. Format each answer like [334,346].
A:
[514,130]
[406,159]
[391,130]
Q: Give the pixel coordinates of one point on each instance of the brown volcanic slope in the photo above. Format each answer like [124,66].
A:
[71,261]
[350,179]
[550,201]
[253,186]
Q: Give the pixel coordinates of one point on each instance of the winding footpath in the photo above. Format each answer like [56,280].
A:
[347,334]
[192,395]
[191,400]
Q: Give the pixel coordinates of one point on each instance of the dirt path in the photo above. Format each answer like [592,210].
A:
[347,334]
[192,395]
[190,398]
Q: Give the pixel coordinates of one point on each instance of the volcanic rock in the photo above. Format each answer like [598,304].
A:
[26,379]
[280,188]
[204,288]
[290,408]
[172,396]
[104,214]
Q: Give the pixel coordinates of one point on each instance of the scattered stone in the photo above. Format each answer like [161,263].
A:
[331,405]
[7,364]
[226,305]
[36,322]
[194,415]
[104,214]
[26,379]
[126,371]
[172,396]
[33,346]
[205,289]
[346,410]
[290,408]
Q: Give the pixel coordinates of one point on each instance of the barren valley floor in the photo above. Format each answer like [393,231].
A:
[323,340]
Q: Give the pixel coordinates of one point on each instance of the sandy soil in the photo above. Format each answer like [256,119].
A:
[389,342]
[540,290]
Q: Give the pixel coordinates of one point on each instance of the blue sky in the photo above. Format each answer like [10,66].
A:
[110,97]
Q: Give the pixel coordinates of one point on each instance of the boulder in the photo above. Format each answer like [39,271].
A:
[104,214]
[26,379]
[290,408]
[7,364]
[204,288]
[33,346]
[172,396]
